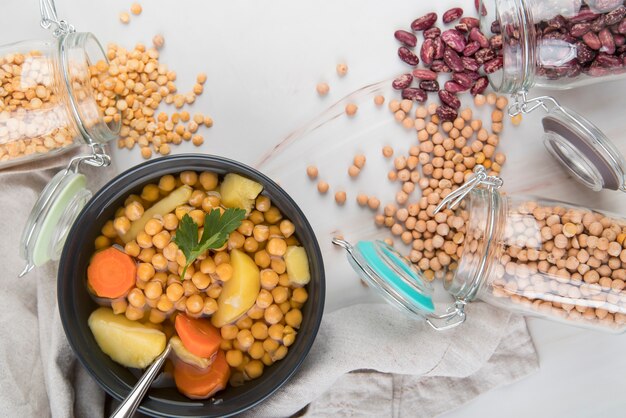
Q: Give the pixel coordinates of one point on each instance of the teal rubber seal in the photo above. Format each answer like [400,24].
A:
[369,253]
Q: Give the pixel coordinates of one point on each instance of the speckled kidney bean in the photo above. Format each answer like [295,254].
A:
[598,24]
[495,42]
[471,22]
[412,93]
[592,40]
[615,16]
[407,38]
[429,85]
[584,54]
[424,22]
[440,67]
[462,27]
[606,60]
[619,40]
[464,79]
[584,15]
[432,33]
[424,74]
[401,82]
[493,65]
[579,29]
[440,47]
[622,27]
[408,56]
[470,64]
[471,48]
[449,99]
[476,35]
[454,39]
[607,41]
[454,87]
[452,14]
[495,27]
[427,52]
[446,113]
[479,86]
[483,55]
[452,60]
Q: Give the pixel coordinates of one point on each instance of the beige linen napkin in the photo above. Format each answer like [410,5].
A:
[400,367]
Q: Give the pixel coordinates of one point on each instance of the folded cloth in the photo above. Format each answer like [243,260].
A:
[368,360]
[401,367]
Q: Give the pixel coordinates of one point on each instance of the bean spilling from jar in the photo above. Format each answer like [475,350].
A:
[463,51]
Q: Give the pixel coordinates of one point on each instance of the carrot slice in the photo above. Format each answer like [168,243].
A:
[199,336]
[111,273]
[198,383]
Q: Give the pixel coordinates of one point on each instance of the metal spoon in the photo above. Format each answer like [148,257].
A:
[129,405]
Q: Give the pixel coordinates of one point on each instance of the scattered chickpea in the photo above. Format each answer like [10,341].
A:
[322,187]
[387,151]
[359,160]
[124,18]
[340,198]
[361,199]
[342,69]
[136,9]
[322,89]
[379,100]
[351,109]
[353,171]
[312,172]
[158,41]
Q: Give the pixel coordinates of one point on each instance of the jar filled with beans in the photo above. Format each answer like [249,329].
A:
[529,255]
[49,97]
[558,44]
[554,44]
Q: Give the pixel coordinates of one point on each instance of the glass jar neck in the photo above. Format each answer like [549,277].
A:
[485,209]
[519,40]
[79,54]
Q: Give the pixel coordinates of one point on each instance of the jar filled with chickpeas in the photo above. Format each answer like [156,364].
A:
[529,255]
[52,94]
[53,97]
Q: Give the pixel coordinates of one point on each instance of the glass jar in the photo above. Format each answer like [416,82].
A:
[48,97]
[561,44]
[524,254]
[556,43]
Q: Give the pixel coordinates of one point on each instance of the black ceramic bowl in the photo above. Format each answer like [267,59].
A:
[75,303]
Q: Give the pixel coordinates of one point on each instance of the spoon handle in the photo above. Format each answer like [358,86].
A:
[129,405]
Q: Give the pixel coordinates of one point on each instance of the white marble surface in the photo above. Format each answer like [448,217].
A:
[263,60]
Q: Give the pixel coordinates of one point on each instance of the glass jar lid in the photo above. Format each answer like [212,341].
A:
[52,217]
[583,150]
[391,275]
[577,144]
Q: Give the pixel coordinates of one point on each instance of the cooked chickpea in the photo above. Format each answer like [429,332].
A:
[264,299]
[259,330]
[190,178]
[161,240]
[234,358]
[299,295]
[253,369]
[273,314]
[273,215]
[276,247]
[153,226]
[261,233]
[121,225]
[134,211]
[224,271]
[245,338]
[201,280]
[245,322]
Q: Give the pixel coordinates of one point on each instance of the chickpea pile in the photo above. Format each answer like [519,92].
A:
[565,262]
[33,117]
[131,88]
[442,159]
[260,337]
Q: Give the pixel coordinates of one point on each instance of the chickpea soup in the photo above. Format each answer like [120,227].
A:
[209,265]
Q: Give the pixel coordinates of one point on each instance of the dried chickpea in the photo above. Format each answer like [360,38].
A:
[351,109]
[322,187]
[322,89]
[340,198]
[312,172]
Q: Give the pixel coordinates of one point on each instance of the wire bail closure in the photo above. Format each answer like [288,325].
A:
[523,105]
[49,18]
[480,178]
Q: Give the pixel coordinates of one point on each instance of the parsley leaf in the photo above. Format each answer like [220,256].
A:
[217,228]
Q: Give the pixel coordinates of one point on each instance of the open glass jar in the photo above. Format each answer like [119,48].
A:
[51,100]
[48,97]
[561,44]
[529,255]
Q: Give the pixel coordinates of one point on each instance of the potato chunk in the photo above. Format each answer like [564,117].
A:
[127,342]
[184,355]
[239,192]
[240,292]
[297,263]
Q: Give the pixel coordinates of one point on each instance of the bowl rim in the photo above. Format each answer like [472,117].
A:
[122,184]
